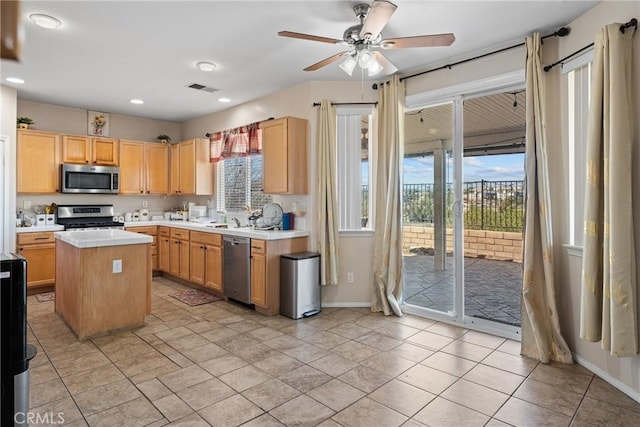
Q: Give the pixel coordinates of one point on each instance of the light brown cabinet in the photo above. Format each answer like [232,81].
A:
[157,168]
[191,171]
[206,260]
[164,248]
[284,154]
[143,168]
[38,162]
[132,165]
[265,271]
[149,231]
[87,150]
[39,249]
[179,253]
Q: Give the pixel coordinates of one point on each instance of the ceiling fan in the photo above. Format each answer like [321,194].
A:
[364,40]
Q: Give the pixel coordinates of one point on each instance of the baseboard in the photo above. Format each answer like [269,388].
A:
[345,304]
[633,394]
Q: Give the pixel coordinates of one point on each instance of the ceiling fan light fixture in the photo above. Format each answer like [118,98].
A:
[349,64]
[374,68]
[366,58]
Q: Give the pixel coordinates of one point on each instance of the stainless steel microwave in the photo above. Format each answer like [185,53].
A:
[89,179]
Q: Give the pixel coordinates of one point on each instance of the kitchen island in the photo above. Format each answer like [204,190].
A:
[103,280]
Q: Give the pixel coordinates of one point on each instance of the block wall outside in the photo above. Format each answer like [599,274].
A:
[498,245]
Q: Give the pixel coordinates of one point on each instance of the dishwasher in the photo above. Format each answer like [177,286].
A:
[237,268]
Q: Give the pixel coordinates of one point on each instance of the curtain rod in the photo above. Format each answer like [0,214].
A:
[563,31]
[632,23]
[315,104]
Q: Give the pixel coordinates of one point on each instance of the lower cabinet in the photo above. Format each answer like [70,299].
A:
[40,251]
[164,244]
[149,231]
[206,260]
[179,253]
[265,271]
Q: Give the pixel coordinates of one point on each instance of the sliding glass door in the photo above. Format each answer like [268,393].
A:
[463,207]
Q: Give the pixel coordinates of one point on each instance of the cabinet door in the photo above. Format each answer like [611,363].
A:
[104,151]
[37,162]
[174,258]
[187,167]
[275,166]
[76,149]
[197,263]
[41,264]
[258,279]
[184,260]
[157,168]
[213,268]
[131,167]
[164,254]
[174,180]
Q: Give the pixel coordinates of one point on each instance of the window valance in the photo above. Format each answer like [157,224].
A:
[237,142]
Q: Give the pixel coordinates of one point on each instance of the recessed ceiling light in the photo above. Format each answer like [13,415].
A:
[45,21]
[137,101]
[224,100]
[206,66]
[14,80]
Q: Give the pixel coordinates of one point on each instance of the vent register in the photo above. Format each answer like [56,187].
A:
[203,88]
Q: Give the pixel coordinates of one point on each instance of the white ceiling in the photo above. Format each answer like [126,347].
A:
[108,52]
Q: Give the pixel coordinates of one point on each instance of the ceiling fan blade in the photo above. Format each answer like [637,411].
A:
[377,18]
[308,37]
[325,61]
[419,41]
[387,65]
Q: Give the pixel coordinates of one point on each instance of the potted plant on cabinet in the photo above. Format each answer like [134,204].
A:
[24,122]
[165,139]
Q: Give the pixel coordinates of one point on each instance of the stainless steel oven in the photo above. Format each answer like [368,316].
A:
[89,179]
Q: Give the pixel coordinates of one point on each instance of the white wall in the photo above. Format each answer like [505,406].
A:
[623,372]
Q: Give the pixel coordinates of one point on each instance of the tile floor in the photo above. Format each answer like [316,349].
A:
[221,364]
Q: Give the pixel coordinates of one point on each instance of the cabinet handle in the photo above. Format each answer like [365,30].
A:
[41,238]
[21,249]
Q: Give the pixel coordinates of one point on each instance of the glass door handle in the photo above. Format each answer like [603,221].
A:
[457,211]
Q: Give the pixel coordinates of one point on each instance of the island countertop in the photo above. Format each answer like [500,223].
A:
[101,238]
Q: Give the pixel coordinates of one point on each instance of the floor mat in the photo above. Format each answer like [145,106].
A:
[46,296]
[193,297]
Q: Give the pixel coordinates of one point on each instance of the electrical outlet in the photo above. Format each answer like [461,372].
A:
[26,205]
[117,266]
[350,278]
[144,204]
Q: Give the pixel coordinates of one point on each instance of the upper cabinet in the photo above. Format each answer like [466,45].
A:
[144,167]
[191,169]
[87,150]
[38,162]
[284,153]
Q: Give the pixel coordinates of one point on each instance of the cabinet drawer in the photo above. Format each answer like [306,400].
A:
[206,238]
[164,231]
[151,231]
[177,233]
[31,238]
[258,246]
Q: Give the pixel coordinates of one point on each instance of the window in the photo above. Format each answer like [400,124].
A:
[577,74]
[239,183]
[353,169]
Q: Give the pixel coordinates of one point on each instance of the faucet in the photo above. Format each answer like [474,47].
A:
[237,221]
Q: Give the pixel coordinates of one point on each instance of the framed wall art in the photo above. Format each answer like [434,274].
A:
[98,123]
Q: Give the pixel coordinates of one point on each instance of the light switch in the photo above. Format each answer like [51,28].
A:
[117,266]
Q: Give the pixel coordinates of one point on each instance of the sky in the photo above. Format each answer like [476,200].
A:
[500,167]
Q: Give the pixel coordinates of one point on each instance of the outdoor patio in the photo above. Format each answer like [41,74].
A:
[492,288]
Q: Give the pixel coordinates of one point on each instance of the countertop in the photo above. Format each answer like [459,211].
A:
[39,229]
[101,238]
[211,228]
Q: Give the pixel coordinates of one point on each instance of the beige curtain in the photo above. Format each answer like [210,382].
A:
[387,255]
[541,338]
[327,197]
[608,310]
